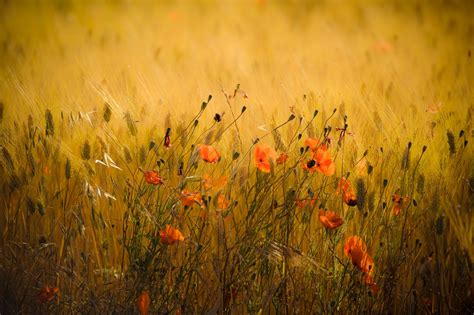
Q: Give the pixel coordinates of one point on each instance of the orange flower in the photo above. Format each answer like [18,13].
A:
[209,183]
[356,249]
[302,203]
[47,294]
[209,154]
[188,198]
[348,195]
[312,144]
[330,219]
[264,155]
[282,158]
[143,303]
[153,178]
[321,162]
[170,235]
[222,202]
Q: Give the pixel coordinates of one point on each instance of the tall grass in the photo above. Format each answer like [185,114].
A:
[89,93]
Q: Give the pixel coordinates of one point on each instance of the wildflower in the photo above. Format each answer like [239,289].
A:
[222,202]
[188,198]
[312,144]
[153,178]
[348,195]
[264,156]
[47,293]
[330,219]
[143,303]
[321,162]
[209,154]
[282,158]
[170,235]
[302,203]
[356,250]
[213,183]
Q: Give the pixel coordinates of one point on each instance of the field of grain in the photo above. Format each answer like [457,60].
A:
[237,157]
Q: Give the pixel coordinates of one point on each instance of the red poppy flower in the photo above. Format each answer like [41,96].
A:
[47,293]
[330,219]
[264,156]
[170,235]
[321,161]
[222,202]
[213,183]
[282,158]
[209,154]
[153,178]
[348,195]
[188,198]
[302,203]
[356,250]
[143,303]
[312,144]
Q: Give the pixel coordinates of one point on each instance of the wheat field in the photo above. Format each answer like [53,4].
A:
[237,157]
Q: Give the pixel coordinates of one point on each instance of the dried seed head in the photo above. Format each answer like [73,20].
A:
[278,141]
[8,159]
[86,150]
[40,207]
[142,155]
[451,142]
[132,126]
[127,155]
[440,225]
[30,205]
[49,123]
[406,158]
[420,184]
[107,112]
[360,193]
[67,171]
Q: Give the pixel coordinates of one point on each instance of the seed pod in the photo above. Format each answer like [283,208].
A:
[107,112]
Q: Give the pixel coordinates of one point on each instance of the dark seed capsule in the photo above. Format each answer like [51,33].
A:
[107,112]
[217,117]
[311,163]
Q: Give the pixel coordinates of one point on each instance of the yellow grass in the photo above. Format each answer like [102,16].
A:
[402,72]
